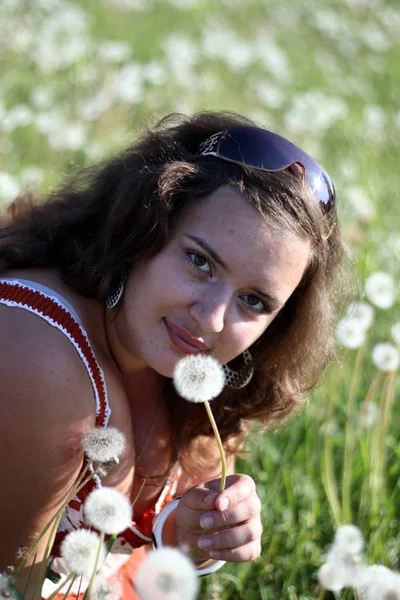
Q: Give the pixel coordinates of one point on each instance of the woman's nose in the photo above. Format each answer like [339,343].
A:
[210,312]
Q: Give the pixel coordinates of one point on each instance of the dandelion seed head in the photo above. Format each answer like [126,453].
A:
[369,413]
[382,585]
[104,444]
[198,378]
[395,331]
[108,510]
[6,590]
[332,577]
[386,357]
[166,574]
[361,312]
[79,550]
[348,539]
[350,333]
[380,289]
[102,589]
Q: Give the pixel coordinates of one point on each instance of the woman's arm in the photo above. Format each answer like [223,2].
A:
[47,405]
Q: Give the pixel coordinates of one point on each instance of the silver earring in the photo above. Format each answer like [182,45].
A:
[115,295]
[239,379]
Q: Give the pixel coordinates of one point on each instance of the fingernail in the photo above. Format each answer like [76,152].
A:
[206,522]
[215,554]
[224,503]
[205,542]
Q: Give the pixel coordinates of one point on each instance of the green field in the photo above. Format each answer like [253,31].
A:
[79,79]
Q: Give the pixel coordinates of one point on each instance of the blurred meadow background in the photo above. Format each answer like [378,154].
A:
[80,78]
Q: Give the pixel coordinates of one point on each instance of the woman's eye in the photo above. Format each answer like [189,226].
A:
[255,304]
[199,262]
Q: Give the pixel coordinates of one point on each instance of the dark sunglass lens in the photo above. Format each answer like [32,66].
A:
[253,147]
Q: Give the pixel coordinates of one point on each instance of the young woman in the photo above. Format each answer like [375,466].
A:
[209,235]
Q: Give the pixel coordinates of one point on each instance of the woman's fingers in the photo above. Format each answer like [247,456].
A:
[235,538]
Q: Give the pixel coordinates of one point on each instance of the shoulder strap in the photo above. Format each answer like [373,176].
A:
[49,308]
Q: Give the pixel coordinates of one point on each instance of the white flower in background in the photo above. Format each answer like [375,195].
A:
[42,97]
[9,186]
[102,589]
[111,51]
[269,94]
[386,357]
[93,107]
[104,444]
[127,83]
[350,333]
[79,550]
[361,312]
[395,331]
[380,289]
[369,413]
[314,112]
[198,378]
[166,574]
[108,510]
[389,251]
[154,72]
[348,538]
[382,585]
[181,57]
[6,591]
[271,55]
[332,576]
[361,206]
[32,175]
[374,121]
[349,170]
[72,136]
[130,5]
[343,566]
[19,116]
[49,122]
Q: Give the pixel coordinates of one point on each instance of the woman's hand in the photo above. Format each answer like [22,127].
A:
[225,525]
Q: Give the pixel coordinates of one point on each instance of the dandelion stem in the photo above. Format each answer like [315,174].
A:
[378,458]
[328,473]
[349,440]
[220,446]
[95,568]
[79,484]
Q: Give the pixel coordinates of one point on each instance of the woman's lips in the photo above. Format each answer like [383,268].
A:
[184,345]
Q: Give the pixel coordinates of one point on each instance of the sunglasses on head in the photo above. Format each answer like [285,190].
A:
[262,149]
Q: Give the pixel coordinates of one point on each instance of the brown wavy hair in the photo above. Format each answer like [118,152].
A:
[108,217]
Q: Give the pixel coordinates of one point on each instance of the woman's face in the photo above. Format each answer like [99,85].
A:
[215,287]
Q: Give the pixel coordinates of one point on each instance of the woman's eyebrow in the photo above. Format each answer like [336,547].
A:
[271,300]
[214,255]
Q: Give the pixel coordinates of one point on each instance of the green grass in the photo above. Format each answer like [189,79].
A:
[348,54]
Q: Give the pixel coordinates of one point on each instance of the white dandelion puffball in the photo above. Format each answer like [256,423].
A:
[332,576]
[102,589]
[166,574]
[395,331]
[369,413]
[79,549]
[361,312]
[108,510]
[198,378]
[5,588]
[350,333]
[104,444]
[348,539]
[380,289]
[386,357]
[383,586]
